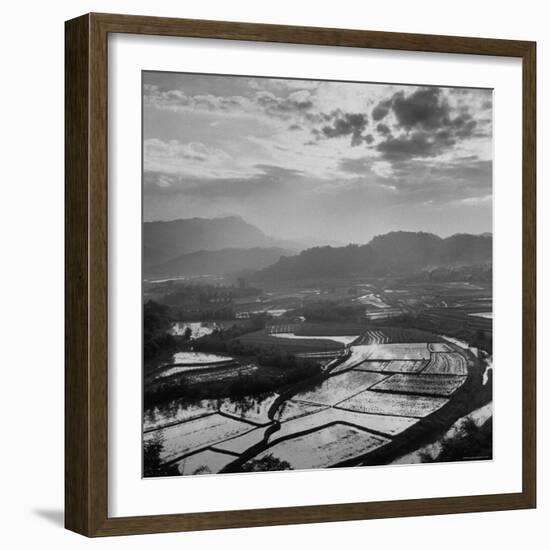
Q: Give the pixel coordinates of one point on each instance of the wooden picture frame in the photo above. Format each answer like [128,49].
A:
[86,415]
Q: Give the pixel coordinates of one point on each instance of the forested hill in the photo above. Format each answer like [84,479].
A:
[399,252]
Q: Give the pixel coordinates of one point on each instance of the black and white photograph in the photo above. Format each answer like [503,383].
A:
[317,281]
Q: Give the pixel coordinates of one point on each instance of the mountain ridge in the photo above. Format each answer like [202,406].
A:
[227,260]
[394,253]
[166,240]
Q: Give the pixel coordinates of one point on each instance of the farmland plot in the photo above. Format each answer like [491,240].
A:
[291,409]
[340,386]
[394,404]
[405,352]
[220,373]
[238,445]
[390,425]
[405,366]
[204,462]
[423,384]
[195,434]
[357,356]
[176,412]
[252,409]
[440,347]
[374,337]
[197,358]
[374,366]
[326,329]
[447,363]
[326,447]
[346,340]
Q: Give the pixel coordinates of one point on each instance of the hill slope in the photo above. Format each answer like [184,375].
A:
[213,262]
[164,241]
[398,252]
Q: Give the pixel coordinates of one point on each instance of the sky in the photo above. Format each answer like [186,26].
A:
[317,161]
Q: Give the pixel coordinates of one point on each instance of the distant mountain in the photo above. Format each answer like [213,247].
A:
[395,253]
[213,262]
[164,241]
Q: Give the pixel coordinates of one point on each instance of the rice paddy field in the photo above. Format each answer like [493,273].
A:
[394,366]
[181,439]
[422,384]
[177,411]
[336,388]
[253,410]
[368,398]
[400,352]
[447,363]
[325,447]
[396,404]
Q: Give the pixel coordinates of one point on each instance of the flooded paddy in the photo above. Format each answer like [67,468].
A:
[195,330]
[371,395]
[483,314]
[325,447]
[394,404]
[177,411]
[187,361]
[251,409]
[423,384]
[346,340]
[181,439]
[447,363]
[336,388]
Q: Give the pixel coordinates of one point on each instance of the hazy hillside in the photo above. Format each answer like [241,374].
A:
[164,241]
[228,260]
[398,252]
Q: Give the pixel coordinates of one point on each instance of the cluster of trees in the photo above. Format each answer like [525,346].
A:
[240,385]
[266,464]
[470,442]
[152,464]
[157,321]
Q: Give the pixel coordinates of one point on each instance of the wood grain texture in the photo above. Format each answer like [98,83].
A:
[77,383]
[86,257]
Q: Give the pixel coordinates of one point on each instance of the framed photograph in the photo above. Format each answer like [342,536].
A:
[300,275]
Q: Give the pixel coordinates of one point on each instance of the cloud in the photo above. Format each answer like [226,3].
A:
[358,166]
[343,125]
[418,144]
[267,180]
[261,102]
[425,124]
[383,129]
[381,110]
[295,102]
[425,108]
[191,159]
[178,100]
[173,149]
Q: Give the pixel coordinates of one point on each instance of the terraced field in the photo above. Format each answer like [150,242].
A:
[447,363]
[422,384]
[365,402]
[397,404]
[325,447]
